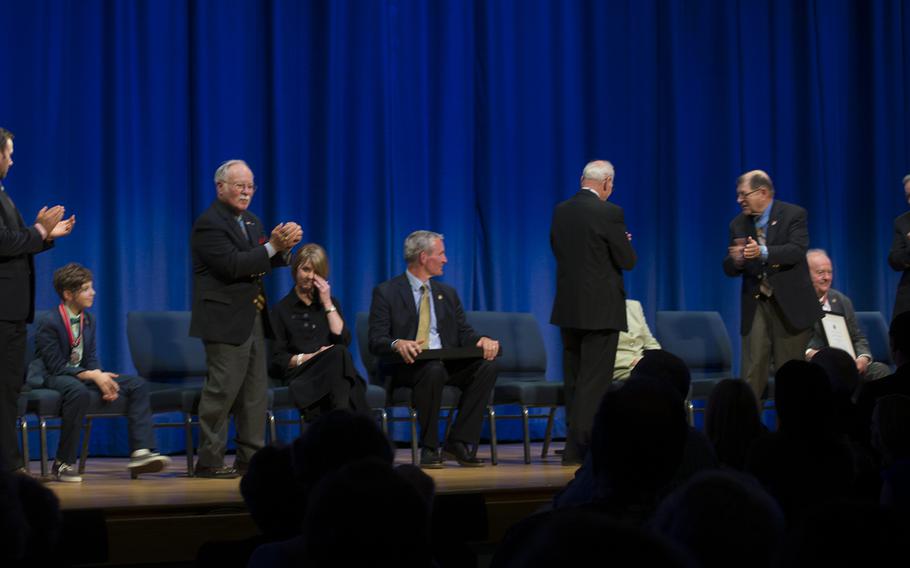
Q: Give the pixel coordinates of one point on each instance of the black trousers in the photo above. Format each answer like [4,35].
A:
[12,376]
[475,378]
[326,382]
[588,358]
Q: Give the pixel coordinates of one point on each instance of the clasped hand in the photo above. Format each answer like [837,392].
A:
[285,236]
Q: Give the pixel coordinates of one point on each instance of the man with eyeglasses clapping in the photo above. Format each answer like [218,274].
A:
[231,254]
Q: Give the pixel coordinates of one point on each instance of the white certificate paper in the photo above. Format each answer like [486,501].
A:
[837,333]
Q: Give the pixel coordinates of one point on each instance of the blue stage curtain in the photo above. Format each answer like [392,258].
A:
[366,119]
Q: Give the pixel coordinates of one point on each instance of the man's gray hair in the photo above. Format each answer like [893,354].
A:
[418,242]
[221,172]
[816,251]
[906,179]
[598,169]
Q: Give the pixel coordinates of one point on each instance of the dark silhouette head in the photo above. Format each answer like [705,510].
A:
[663,365]
[30,522]
[638,439]
[723,519]
[335,439]
[802,395]
[582,537]
[841,370]
[732,421]
[270,493]
[365,512]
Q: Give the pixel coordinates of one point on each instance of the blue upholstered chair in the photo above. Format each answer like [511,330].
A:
[522,366]
[875,327]
[701,340]
[402,397]
[172,362]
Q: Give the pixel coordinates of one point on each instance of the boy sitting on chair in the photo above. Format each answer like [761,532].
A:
[66,361]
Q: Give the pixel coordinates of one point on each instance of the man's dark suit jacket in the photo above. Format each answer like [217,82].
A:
[393,315]
[227,270]
[52,348]
[18,244]
[588,238]
[899,259]
[842,306]
[787,239]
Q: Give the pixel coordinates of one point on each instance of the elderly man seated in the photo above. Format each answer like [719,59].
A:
[835,302]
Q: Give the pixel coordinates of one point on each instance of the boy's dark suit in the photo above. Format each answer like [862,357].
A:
[393,315]
[52,369]
[18,244]
[228,267]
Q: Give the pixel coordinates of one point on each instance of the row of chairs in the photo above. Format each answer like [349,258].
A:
[174,364]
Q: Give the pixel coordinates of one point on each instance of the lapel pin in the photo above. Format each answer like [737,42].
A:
[774,222]
[439,297]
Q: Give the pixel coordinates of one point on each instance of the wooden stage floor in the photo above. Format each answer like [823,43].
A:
[185,512]
[107,485]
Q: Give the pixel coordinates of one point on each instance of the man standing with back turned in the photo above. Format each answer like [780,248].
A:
[18,245]
[589,240]
[768,243]
[231,254]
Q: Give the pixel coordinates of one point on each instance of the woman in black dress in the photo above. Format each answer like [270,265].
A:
[310,352]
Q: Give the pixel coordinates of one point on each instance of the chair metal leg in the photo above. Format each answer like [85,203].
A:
[548,434]
[188,431]
[415,453]
[445,435]
[42,442]
[690,411]
[526,433]
[494,450]
[273,428]
[26,459]
[86,433]
[384,420]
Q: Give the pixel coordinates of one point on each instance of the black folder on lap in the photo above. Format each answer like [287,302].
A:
[444,354]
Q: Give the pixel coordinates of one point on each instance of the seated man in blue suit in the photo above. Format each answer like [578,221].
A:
[408,315]
[66,361]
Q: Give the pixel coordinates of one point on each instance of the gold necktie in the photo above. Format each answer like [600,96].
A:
[423,317]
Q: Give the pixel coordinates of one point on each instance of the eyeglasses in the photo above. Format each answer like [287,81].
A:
[241,186]
[748,193]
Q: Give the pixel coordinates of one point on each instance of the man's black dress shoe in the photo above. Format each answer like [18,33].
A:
[429,459]
[459,452]
[223,472]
